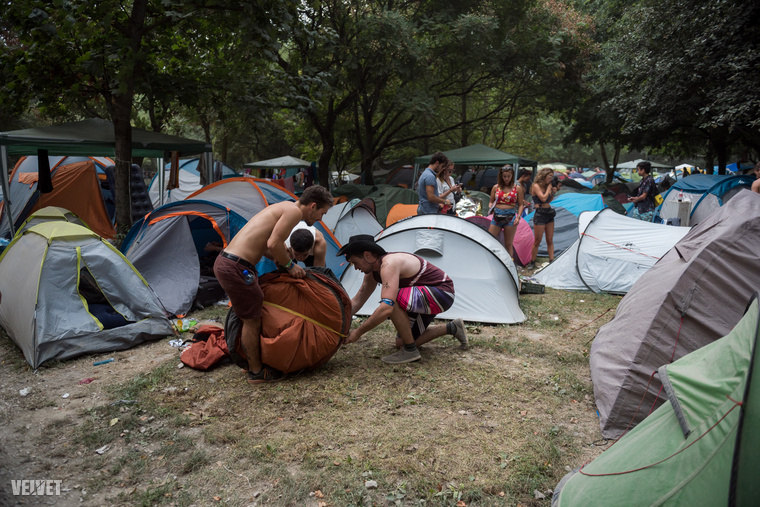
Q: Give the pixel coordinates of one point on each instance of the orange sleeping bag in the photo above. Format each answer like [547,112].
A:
[303,323]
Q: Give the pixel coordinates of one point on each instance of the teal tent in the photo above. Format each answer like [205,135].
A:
[701,448]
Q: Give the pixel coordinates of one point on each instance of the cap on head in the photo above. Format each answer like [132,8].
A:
[359,244]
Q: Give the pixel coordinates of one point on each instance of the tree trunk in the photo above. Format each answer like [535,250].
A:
[605,160]
[123,135]
[465,133]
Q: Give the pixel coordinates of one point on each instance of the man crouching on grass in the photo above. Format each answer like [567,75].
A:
[413,292]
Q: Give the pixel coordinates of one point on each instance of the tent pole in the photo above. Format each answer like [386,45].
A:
[161,180]
[6,189]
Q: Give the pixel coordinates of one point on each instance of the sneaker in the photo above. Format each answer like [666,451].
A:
[266,374]
[403,356]
[460,332]
[531,265]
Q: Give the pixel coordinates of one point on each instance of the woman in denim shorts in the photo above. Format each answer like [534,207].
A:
[507,198]
[543,221]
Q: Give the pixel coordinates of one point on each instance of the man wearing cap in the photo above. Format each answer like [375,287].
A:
[235,267]
[412,293]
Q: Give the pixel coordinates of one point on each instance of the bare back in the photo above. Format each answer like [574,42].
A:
[271,225]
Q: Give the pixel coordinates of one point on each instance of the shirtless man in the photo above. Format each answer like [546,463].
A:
[413,292]
[235,268]
[306,244]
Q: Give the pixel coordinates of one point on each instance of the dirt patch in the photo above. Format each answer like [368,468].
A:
[487,426]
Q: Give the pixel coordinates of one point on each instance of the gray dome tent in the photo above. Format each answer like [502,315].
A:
[694,295]
[67,292]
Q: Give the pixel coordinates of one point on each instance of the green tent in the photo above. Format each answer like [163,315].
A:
[384,197]
[286,162]
[479,154]
[701,448]
[92,138]
[95,137]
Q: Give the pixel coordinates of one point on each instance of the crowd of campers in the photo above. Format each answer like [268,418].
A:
[372,251]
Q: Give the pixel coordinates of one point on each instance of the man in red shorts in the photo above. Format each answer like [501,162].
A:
[413,292]
[235,267]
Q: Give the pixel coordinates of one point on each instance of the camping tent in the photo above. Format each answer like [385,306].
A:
[93,137]
[479,154]
[694,295]
[167,247]
[705,192]
[75,187]
[568,206]
[485,279]
[248,196]
[49,214]
[359,219]
[68,292]
[290,164]
[699,449]
[633,163]
[189,181]
[612,252]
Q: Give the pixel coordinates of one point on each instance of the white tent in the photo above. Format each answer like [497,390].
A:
[612,252]
[67,292]
[357,219]
[485,278]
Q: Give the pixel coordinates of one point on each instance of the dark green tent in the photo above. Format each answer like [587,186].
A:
[93,138]
[479,154]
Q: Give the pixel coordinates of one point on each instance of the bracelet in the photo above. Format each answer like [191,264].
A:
[289,265]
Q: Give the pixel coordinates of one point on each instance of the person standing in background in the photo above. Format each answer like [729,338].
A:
[507,198]
[543,190]
[448,189]
[427,186]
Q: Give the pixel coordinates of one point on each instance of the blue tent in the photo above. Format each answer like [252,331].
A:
[568,207]
[706,192]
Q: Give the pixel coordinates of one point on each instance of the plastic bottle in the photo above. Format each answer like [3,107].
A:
[680,196]
[247,276]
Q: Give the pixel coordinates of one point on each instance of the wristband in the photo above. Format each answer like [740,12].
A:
[388,302]
[289,264]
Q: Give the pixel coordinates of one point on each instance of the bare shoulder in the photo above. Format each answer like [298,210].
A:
[402,263]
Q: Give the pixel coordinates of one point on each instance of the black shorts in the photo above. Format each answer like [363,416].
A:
[544,216]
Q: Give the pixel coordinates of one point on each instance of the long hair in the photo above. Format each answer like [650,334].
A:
[500,181]
[441,176]
[541,176]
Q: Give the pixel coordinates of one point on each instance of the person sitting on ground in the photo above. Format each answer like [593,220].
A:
[644,199]
[306,244]
[756,184]
[413,292]
[235,267]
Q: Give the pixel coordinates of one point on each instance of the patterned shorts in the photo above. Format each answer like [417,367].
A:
[422,304]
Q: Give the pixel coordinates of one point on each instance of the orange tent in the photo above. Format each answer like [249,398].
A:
[400,211]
